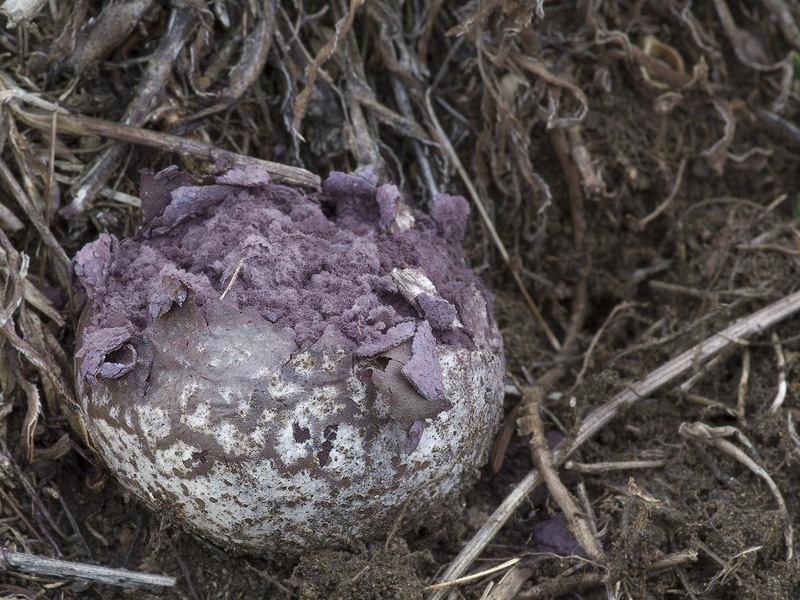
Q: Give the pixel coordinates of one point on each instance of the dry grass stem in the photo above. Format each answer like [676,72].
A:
[604,467]
[218,158]
[38,565]
[577,521]
[341,30]
[139,111]
[481,574]
[741,390]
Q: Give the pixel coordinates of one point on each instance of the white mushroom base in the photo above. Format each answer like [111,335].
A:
[260,447]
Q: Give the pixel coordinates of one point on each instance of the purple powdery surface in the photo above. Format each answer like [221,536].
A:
[304,263]
[450,214]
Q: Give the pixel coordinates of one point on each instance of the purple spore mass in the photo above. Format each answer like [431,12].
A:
[352,257]
[307,262]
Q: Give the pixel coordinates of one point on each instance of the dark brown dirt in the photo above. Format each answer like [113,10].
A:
[726,245]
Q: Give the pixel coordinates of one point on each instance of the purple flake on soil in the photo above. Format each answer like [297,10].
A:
[423,370]
[393,337]
[554,437]
[414,435]
[438,311]
[388,197]
[553,536]
[450,214]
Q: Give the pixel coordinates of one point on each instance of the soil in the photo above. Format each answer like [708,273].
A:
[693,225]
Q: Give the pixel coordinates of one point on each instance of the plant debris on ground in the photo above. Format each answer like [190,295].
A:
[634,173]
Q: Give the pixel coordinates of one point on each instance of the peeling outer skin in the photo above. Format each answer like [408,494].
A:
[223,421]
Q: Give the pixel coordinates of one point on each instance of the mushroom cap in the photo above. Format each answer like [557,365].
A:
[265,434]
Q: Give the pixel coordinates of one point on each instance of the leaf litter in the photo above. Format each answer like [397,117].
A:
[633,174]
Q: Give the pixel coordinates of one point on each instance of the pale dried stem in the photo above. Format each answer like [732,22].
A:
[605,467]
[149,94]
[38,565]
[780,394]
[60,257]
[783,15]
[340,31]
[255,50]
[87,126]
[741,392]
[508,587]
[591,178]
[473,577]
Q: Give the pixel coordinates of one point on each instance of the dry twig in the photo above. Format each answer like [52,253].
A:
[577,583]
[342,27]
[604,467]
[780,394]
[251,63]
[219,158]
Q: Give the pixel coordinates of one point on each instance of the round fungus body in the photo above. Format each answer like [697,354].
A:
[275,370]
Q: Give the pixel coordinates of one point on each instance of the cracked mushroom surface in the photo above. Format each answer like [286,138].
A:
[275,370]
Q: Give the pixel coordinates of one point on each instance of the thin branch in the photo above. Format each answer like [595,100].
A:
[530,423]
[780,395]
[604,467]
[221,159]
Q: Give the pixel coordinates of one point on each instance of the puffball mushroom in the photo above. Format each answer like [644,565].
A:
[275,370]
